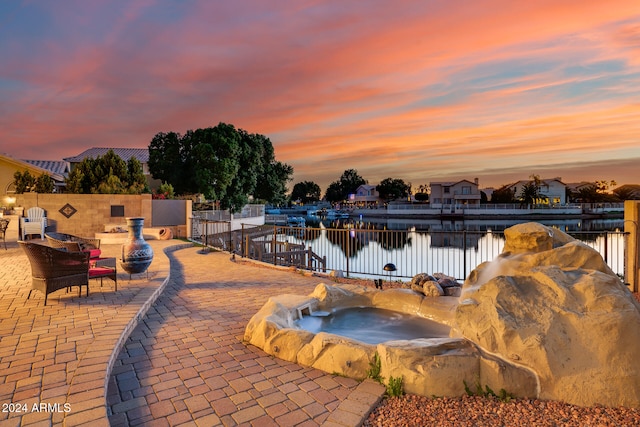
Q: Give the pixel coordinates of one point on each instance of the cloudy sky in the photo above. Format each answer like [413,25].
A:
[424,90]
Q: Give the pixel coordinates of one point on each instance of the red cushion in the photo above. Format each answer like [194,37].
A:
[100,272]
[93,253]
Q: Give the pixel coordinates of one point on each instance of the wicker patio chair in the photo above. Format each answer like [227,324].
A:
[69,241]
[4,223]
[53,269]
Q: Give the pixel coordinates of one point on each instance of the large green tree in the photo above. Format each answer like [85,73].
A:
[273,187]
[393,188]
[306,192]
[348,183]
[169,160]
[223,163]
[107,174]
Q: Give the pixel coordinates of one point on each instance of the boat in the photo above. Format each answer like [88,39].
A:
[331,214]
[296,221]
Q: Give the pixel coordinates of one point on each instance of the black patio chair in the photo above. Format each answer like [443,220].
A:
[4,223]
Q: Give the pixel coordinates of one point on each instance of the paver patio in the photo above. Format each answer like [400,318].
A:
[183,361]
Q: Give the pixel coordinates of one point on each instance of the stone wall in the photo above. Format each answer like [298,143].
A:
[86,214]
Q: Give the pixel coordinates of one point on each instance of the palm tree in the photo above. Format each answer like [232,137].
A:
[530,193]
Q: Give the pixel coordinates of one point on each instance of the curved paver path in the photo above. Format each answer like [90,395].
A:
[186,363]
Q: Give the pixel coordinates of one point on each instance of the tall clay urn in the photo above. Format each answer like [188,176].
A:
[137,254]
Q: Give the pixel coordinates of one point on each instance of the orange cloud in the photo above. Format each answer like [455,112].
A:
[418,90]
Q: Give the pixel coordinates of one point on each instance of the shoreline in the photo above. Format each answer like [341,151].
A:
[532,216]
[497,214]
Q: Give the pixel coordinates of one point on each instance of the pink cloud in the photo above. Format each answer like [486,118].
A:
[395,90]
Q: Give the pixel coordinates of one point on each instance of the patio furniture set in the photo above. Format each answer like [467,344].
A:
[66,261]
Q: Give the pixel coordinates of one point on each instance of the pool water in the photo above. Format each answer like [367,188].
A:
[374,325]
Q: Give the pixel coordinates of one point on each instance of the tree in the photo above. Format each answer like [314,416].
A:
[164,191]
[251,166]
[260,174]
[135,177]
[603,185]
[107,174]
[626,193]
[391,189]
[272,188]
[422,195]
[503,194]
[168,160]
[588,194]
[214,160]
[24,182]
[306,192]
[347,184]
[222,163]
[44,184]
[334,192]
[530,193]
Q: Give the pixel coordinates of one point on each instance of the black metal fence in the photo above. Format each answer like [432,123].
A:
[365,252]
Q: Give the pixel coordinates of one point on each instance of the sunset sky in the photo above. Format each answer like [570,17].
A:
[420,90]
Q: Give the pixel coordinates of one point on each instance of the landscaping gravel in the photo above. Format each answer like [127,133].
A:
[476,411]
[411,410]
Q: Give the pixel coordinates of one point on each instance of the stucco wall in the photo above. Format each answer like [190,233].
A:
[92,211]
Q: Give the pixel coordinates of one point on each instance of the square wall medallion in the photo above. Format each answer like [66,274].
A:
[68,211]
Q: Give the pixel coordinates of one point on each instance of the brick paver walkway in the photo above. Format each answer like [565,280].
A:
[184,362]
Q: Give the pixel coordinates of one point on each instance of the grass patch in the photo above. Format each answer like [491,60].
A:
[374,369]
[503,395]
[395,387]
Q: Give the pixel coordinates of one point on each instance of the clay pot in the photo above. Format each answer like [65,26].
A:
[137,254]
[165,234]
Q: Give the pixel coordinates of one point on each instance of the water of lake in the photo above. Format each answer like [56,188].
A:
[362,248]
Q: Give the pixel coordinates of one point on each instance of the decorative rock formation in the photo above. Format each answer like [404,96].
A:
[551,304]
[547,319]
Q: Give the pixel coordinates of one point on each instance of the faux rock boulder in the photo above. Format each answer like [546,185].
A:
[550,304]
[434,286]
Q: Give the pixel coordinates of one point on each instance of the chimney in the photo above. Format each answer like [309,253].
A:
[475,181]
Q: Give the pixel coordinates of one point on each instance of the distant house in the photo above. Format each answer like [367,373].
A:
[454,193]
[57,170]
[366,195]
[141,154]
[553,189]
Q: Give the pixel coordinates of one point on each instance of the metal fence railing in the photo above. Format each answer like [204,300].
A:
[365,252]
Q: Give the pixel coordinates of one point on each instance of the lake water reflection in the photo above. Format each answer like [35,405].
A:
[362,247]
